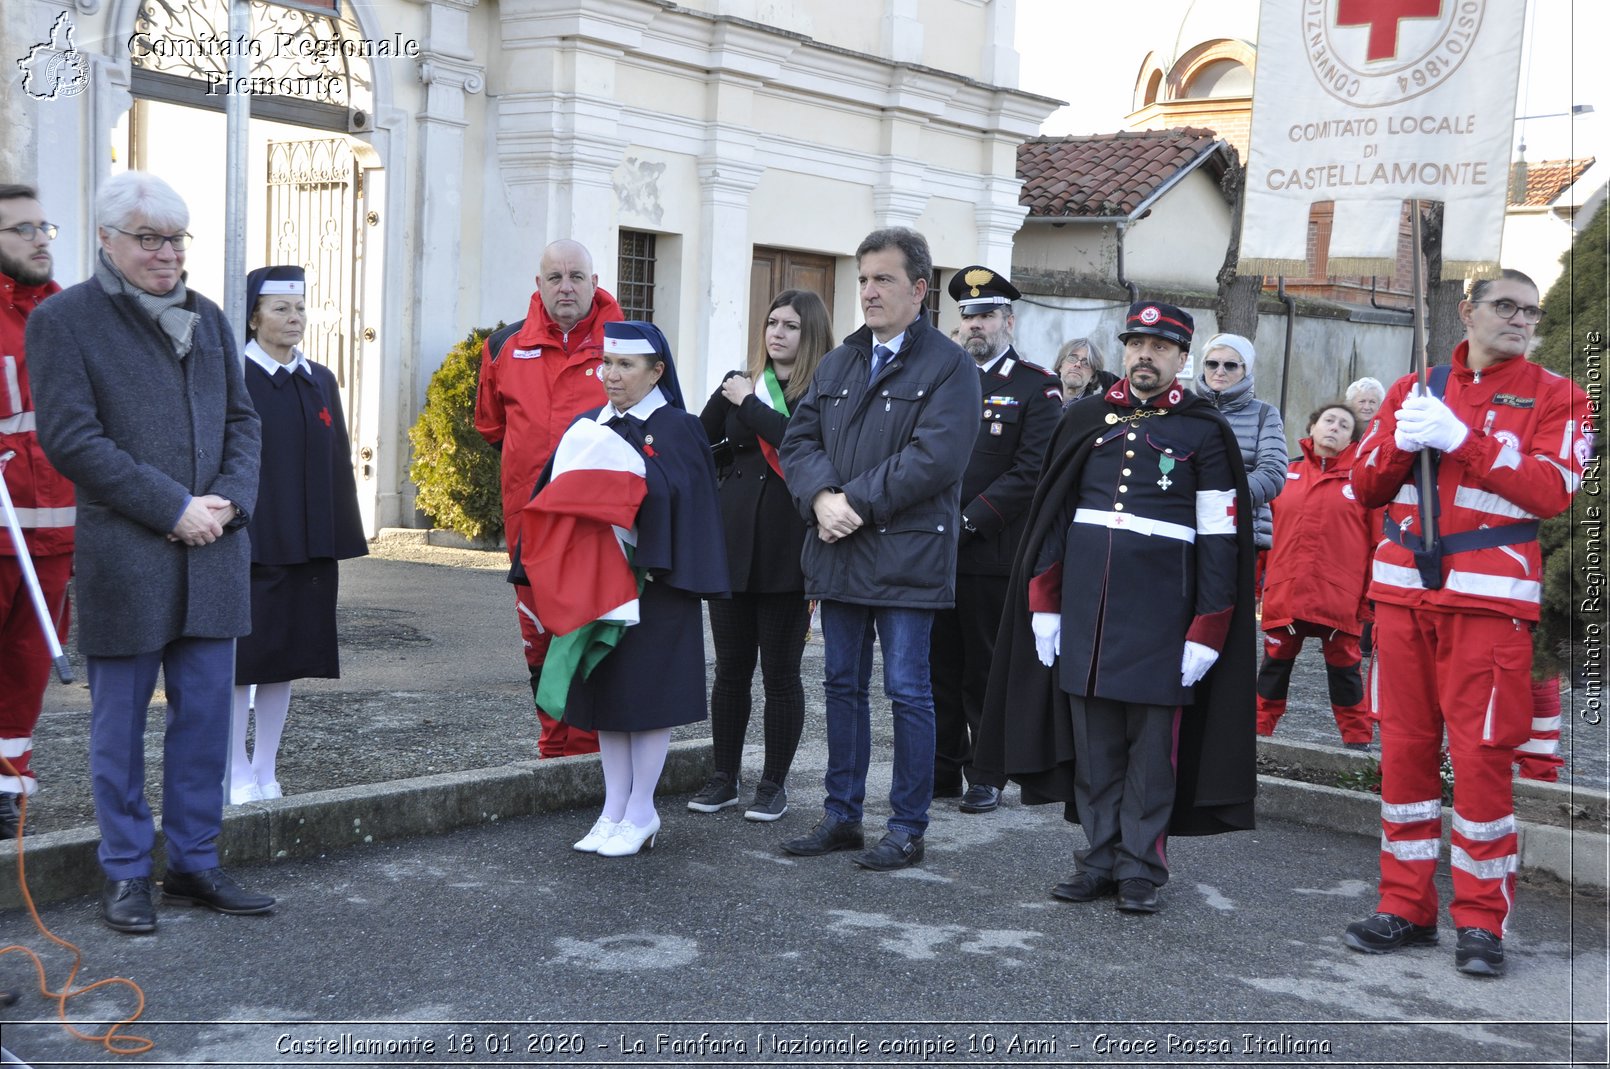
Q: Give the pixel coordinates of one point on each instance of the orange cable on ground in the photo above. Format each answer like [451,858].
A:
[114,1042]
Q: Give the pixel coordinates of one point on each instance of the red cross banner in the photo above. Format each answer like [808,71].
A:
[1369,103]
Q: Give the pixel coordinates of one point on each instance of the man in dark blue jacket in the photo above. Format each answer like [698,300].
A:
[1022,404]
[874,457]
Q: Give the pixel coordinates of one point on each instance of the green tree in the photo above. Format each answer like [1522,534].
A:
[454,468]
[1571,342]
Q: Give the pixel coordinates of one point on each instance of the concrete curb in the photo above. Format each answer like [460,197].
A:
[1580,859]
[62,865]
[435,536]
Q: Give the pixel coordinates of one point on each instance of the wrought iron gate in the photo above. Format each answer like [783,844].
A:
[314,193]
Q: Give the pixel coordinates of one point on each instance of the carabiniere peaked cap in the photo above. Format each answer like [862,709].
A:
[977,289]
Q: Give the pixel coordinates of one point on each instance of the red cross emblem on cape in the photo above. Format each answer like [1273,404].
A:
[324,416]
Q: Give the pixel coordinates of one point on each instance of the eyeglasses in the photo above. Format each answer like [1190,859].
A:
[1507,308]
[1229,365]
[153,242]
[26,231]
[1077,361]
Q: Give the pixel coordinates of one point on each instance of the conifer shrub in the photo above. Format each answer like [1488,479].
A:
[455,471]
[1572,342]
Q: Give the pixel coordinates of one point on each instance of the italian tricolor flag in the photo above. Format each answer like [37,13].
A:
[576,547]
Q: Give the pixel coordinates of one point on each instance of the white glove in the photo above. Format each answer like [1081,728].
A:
[1429,422]
[1047,636]
[1195,663]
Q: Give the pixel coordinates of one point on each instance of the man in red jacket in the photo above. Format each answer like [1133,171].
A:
[537,375]
[42,497]
[1454,636]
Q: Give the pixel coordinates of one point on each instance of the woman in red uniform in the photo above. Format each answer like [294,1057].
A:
[1318,571]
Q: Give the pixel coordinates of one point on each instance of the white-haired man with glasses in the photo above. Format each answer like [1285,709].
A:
[1453,623]
[143,405]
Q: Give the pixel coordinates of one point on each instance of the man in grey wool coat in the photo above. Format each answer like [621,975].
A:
[142,404]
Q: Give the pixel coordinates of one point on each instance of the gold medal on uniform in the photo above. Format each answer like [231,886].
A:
[1112,417]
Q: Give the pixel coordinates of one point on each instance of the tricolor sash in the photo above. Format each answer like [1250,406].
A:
[770,392]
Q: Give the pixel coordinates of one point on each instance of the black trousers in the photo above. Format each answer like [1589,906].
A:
[772,629]
[959,655]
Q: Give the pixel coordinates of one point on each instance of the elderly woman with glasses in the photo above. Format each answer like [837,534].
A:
[1226,382]
[1081,370]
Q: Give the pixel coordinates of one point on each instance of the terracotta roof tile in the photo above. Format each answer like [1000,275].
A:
[1103,174]
[1546,180]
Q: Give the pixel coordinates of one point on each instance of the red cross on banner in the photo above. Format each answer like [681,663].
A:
[1382,17]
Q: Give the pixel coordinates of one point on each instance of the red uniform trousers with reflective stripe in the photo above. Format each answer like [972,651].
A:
[1470,674]
[557,738]
[1342,677]
[1539,756]
[25,659]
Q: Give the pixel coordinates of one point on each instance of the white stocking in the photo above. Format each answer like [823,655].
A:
[273,706]
[615,755]
[240,766]
[648,760]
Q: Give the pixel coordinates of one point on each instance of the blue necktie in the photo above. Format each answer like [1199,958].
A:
[880,356]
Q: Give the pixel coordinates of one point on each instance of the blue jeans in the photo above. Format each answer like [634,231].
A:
[199,677]
[847,632]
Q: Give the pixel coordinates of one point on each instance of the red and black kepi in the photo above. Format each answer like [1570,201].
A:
[1163,320]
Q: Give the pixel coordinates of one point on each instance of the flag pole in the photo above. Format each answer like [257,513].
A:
[1427,479]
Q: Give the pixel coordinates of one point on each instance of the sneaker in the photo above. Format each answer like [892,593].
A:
[1386,932]
[720,792]
[1479,953]
[771,802]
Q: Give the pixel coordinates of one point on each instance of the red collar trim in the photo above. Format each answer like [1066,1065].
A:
[1119,394]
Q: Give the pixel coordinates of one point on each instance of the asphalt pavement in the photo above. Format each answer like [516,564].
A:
[493,943]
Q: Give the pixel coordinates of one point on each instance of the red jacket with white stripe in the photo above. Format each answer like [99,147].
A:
[1522,460]
[1320,563]
[535,380]
[41,495]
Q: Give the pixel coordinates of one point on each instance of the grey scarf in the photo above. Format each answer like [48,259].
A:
[166,310]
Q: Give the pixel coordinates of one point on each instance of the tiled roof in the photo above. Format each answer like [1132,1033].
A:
[1104,174]
[1546,180]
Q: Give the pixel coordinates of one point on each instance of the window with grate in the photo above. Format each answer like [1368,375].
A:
[636,274]
[930,302]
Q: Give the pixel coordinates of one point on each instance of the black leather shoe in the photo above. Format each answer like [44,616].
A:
[1480,952]
[126,905]
[896,850]
[980,798]
[1136,895]
[830,834]
[1383,933]
[1085,887]
[214,889]
[10,814]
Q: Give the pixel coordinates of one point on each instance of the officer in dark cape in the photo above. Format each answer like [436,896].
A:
[1127,645]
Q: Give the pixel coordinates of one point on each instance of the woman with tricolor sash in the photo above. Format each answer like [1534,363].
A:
[767,617]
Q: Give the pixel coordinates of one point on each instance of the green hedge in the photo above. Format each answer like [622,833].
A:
[455,470]
[1572,342]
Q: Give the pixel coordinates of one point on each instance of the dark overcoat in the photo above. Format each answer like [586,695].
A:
[764,532]
[896,447]
[1026,732]
[139,430]
[1022,404]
